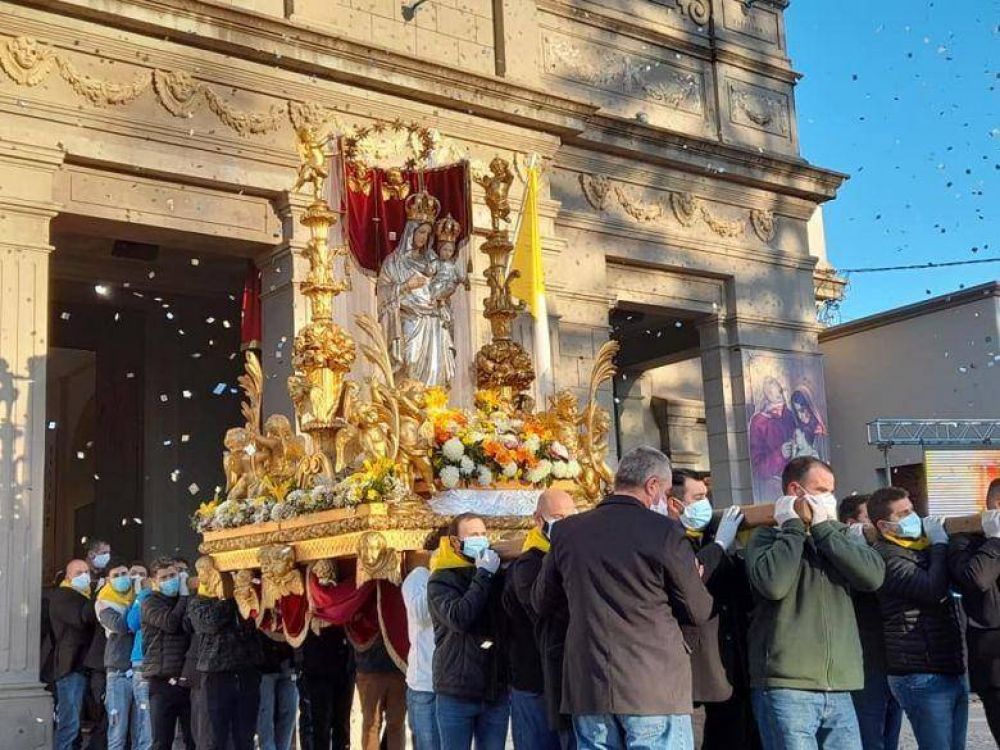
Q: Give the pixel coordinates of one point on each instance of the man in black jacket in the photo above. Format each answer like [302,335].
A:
[536,644]
[229,658]
[470,667]
[975,566]
[923,637]
[165,644]
[72,618]
[879,716]
[325,668]
[722,717]
[630,580]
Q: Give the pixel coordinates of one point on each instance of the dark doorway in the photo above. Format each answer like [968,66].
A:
[142,367]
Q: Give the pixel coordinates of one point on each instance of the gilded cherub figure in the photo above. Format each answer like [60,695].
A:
[496,186]
[313,170]
[237,464]
[281,450]
[363,433]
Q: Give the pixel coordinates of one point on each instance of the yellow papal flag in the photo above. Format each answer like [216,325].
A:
[530,285]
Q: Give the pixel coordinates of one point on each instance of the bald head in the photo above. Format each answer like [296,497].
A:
[75,568]
[553,505]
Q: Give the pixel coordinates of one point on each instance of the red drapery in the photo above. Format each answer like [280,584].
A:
[250,323]
[376,607]
[376,211]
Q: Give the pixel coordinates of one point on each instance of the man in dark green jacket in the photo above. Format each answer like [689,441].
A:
[805,656]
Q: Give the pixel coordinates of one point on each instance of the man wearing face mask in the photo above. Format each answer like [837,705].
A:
[805,657]
[166,642]
[629,579]
[98,558]
[536,644]
[72,618]
[113,602]
[974,561]
[470,665]
[923,637]
[720,689]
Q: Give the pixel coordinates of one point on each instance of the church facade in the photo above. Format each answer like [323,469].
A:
[147,155]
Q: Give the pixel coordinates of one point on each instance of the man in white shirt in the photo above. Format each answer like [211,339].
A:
[421,703]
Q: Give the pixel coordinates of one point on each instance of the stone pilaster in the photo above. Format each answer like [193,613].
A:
[26,209]
[725,414]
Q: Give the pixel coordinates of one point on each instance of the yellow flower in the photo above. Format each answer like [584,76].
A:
[208,509]
[371,495]
[436,399]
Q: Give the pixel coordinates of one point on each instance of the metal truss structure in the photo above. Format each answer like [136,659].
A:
[953,433]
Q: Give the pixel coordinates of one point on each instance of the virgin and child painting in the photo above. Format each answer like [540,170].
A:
[786,415]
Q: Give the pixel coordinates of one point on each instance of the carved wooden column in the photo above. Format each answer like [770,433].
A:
[26,209]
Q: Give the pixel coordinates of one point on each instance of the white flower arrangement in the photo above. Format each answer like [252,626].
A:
[450,477]
[453,450]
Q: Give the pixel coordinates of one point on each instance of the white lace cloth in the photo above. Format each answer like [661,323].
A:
[485,502]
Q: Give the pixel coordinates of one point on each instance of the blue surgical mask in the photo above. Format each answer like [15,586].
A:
[101,561]
[121,584]
[170,587]
[911,527]
[80,582]
[697,515]
[474,546]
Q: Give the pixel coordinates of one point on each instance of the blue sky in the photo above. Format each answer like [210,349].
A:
[903,96]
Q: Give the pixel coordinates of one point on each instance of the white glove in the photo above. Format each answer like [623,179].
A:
[784,510]
[857,529]
[934,529]
[729,524]
[820,513]
[184,583]
[488,561]
[991,524]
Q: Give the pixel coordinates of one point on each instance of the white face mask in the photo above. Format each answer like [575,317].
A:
[660,506]
[829,502]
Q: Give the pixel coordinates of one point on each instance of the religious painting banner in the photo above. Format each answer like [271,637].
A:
[786,415]
[375,202]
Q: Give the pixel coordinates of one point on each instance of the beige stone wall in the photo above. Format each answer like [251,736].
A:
[458,33]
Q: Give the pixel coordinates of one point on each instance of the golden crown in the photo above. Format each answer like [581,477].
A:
[422,207]
[448,230]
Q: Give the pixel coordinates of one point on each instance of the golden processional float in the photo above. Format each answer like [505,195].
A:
[317,528]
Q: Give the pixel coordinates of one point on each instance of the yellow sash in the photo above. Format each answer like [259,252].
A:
[447,558]
[914,544]
[536,540]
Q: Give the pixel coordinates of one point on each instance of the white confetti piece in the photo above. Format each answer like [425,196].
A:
[185,438]
[81,455]
[174,475]
[219,389]
[195,261]
[226,324]
[193,488]
[102,290]
[186,394]
[164,398]
[52,425]
[64,316]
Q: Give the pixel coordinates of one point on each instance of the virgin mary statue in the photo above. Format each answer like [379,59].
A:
[415,323]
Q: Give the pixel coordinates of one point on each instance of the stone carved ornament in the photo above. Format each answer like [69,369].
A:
[623,74]
[28,63]
[759,107]
[604,193]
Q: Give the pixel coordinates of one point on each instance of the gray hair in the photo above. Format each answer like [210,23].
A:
[639,465]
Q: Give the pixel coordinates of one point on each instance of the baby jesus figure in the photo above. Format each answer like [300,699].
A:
[446,274]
